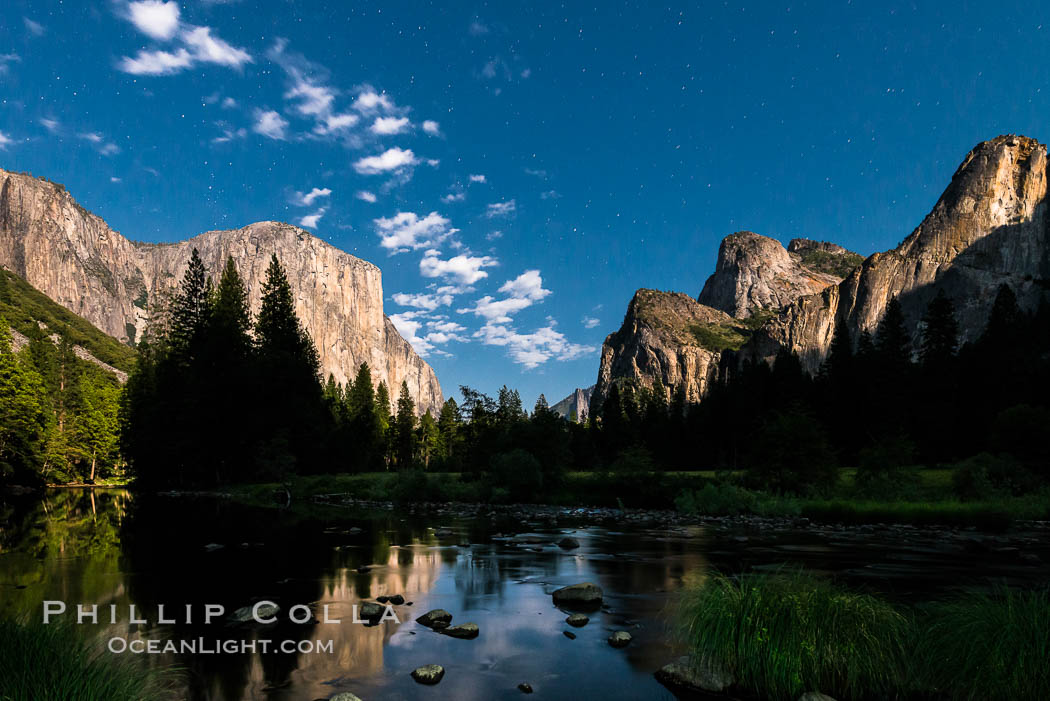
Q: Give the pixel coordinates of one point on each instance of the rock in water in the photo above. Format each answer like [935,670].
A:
[466,631]
[370,611]
[428,674]
[344,696]
[620,638]
[429,618]
[73,257]
[568,543]
[584,595]
[397,600]
[814,696]
[577,620]
[525,688]
[705,676]
[569,634]
[244,614]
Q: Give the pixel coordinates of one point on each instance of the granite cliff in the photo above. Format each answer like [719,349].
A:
[989,227]
[74,258]
[577,404]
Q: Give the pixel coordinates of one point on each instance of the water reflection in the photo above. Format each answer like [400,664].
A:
[106,547]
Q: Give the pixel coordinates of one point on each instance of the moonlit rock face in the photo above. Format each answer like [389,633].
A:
[989,227]
[73,257]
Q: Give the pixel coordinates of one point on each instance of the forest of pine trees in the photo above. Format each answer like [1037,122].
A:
[220,397]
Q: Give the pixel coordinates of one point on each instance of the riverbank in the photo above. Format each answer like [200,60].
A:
[673,498]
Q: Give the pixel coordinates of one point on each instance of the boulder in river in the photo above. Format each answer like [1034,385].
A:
[466,631]
[569,634]
[397,600]
[245,614]
[525,688]
[344,696]
[577,620]
[428,674]
[684,673]
[583,595]
[620,638]
[370,611]
[568,543]
[431,617]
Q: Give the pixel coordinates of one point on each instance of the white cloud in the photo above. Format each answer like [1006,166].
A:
[34,28]
[532,349]
[492,236]
[210,49]
[228,103]
[310,220]
[407,325]
[528,285]
[406,230]
[589,322]
[389,125]
[270,124]
[6,59]
[477,178]
[101,145]
[52,125]
[5,140]
[229,134]
[198,43]
[308,88]
[159,20]
[369,100]
[464,269]
[477,28]
[549,195]
[429,302]
[391,159]
[431,127]
[334,123]
[496,310]
[454,197]
[308,199]
[501,209]
[366,196]
[114,179]
[108,149]
[156,62]
[93,137]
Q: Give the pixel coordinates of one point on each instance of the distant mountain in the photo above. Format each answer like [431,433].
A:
[990,227]
[74,258]
[576,405]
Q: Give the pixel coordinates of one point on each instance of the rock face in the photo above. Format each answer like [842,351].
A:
[73,257]
[989,227]
[756,272]
[662,339]
[577,404]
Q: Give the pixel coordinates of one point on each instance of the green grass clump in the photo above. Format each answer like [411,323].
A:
[837,264]
[785,634]
[56,663]
[986,646]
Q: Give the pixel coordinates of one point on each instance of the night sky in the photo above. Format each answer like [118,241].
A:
[517,170]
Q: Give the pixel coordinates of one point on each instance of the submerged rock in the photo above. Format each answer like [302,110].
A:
[434,616]
[344,696]
[577,620]
[370,611]
[244,614]
[683,673]
[583,595]
[428,674]
[569,634]
[620,638]
[525,688]
[466,631]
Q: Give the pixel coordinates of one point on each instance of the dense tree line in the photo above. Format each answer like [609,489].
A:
[58,413]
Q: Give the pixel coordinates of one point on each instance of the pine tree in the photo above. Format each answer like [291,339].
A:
[384,422]
[23,421]
[189,310]
[448,427]
[891,340]
[429,438]
[404,429]
[940,333]
[231,318]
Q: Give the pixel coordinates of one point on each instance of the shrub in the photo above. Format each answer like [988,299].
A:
[785,634]
[791,454]
[987,476]
[987,646]
[884,470]
[1021,431]
[55,662]
[717,500]
[519,473]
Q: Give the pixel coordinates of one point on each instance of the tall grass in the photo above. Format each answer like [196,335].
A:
[784,634]
[986,646]
[56,663]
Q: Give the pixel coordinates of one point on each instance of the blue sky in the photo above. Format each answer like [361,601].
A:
[517,170]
